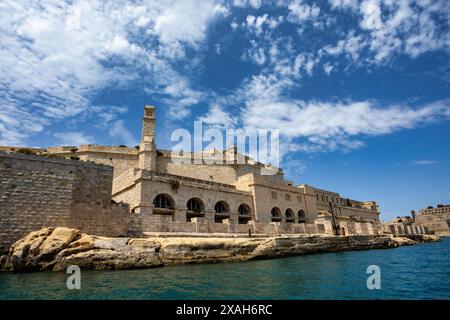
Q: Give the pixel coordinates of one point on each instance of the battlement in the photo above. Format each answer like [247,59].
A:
[107,149]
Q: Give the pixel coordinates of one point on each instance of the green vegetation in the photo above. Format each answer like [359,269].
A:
[174,184]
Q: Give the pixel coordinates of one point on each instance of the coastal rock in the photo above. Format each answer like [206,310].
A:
[412,239]
[56,241]
[37,248]
[56,249]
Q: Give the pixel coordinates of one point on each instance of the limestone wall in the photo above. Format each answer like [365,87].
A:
[120,162]
[436,220]
[37,191]
[269,193]
[360,213]
[403,228]
[218,173]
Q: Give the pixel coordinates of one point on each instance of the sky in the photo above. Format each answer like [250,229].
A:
[359,90]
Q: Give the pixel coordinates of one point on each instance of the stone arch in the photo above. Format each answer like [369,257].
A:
[195,208]
[221,207]
[275,214]
[244,213]
[301,216]
[289,213]
[222,210]
[163,203]
[244,209]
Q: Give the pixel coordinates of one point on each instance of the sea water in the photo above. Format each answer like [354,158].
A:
[408,272]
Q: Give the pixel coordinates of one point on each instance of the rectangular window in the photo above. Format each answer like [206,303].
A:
[299,199]
[287,197]
[274,195]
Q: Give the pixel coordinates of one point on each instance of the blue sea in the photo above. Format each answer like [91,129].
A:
[410,272]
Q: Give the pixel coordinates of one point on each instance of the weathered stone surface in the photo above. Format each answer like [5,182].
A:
[56,249]
[56,241]
[38,192]
[415,239]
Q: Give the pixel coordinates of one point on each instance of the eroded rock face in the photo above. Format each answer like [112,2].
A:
[56,249]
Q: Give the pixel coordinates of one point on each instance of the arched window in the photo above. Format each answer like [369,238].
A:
[244,213]
[222,207]
[301,216]
[195,209]
[276,214]
[244,210]
[289,215]
[163,201]
[195,204]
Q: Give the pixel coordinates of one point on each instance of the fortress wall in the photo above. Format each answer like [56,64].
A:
[435,222]
[267,197]
[120,162]
[209,195]
[357,212]
[217,173]
[38,192]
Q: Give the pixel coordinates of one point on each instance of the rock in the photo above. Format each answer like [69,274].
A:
[56,241]
[404,241]
[56,249]
[110,243]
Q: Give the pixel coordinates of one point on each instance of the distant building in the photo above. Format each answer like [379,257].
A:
[403,226]
[436,219]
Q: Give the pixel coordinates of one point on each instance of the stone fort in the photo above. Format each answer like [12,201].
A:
[123,191]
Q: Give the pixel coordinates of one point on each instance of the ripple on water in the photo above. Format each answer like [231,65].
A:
[410,272]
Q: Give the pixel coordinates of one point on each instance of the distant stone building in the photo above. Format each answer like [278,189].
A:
[403,226]
[232,196]
[436,219]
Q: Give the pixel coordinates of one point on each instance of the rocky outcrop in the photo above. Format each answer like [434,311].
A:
[56,249]
[412,239]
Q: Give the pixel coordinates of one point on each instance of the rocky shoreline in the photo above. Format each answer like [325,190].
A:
[54,249]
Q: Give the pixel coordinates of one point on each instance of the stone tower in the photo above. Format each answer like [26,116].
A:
[147,148]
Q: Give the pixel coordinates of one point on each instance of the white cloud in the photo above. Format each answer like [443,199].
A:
[372,14]
[327,67]
[234,25]
[73,138]
[256,23]
[121,134]
[187,20]
[255,4]
[323,126]
[309,66]
[218,48]
[300,12]
[216,116]
[54,55]
[351,46]
[344,4]
[424,162]
[394,27]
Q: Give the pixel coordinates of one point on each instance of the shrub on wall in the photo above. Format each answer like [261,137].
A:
[174,184]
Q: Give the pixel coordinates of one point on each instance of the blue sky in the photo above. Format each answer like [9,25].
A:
[358,89]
